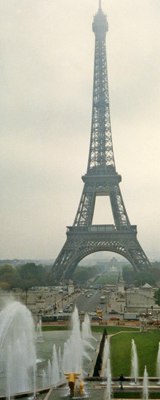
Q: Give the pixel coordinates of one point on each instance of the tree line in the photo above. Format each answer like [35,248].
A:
[30,274]
[25,276]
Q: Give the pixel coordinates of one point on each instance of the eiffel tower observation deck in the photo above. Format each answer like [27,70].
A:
[101,179]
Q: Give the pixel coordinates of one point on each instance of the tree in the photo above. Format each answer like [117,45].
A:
[7,276]
[30,275]
[82,274]
[157,297]
[139,278]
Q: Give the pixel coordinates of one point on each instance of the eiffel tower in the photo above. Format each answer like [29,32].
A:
[101,179]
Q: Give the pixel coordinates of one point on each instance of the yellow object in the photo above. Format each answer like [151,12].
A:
[99,313]
[81,387]
[75,387]
[72,376]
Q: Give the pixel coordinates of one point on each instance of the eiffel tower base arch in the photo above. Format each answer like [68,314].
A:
[82,241]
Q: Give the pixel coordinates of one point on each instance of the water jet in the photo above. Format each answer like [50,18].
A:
[17,349]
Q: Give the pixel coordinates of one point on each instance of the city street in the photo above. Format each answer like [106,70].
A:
[89,301]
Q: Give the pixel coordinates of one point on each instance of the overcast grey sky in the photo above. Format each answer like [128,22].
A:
[46,64]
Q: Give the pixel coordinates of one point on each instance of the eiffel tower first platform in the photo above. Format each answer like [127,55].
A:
[101,179]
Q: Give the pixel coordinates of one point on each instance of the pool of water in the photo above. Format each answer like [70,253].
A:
[90,392]
[44,352]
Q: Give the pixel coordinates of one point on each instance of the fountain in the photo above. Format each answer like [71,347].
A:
[75,353]
[134,363]
[75,346]
[44,379]
[106,359]
[108,390]
[145,384]
[55,372]
[39,335]
[158,365]
[87,336]
[60,362]
[49,373]
[86,329]
[17,349]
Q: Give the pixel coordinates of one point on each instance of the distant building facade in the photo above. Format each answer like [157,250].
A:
[132,299]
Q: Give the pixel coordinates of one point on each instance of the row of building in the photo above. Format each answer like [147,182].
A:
[121,299]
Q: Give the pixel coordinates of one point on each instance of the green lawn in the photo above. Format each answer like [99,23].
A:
[95,328]
[112,329]
[54,328]
[147,348]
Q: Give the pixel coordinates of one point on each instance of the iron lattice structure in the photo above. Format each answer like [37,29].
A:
[101,179]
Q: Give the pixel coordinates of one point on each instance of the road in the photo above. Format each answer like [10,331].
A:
[89,301]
